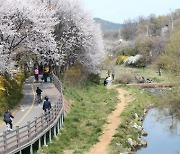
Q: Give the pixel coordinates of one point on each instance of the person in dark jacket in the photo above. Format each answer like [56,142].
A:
[47,107]
[45,75]
[105,81]
[38,92]
[7,119]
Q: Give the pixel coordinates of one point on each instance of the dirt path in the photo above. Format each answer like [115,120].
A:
[113,122]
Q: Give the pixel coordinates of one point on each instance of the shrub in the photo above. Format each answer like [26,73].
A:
[10,92]
[120,59]
[75,75]
[133,60]
[95,78]
[125,78]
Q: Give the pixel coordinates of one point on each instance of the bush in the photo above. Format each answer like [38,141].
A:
[95,78]
[120,59]
[133,60]
[125,78]
[10,92]
[127,51]
[75,75]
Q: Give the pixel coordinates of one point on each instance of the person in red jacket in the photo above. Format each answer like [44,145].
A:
[36,74]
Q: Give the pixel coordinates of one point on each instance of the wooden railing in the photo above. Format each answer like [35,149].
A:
[40,130]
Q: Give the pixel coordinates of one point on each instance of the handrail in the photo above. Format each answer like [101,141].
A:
[22,137]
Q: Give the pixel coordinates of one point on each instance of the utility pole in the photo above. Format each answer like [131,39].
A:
[147,29]
[172,23]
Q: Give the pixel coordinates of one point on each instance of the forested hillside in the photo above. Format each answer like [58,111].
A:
[107,25]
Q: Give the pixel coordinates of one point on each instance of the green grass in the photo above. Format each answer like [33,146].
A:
[150,72]
[92,104]
[141,101]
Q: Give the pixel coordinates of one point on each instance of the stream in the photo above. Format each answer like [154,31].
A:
[163,133]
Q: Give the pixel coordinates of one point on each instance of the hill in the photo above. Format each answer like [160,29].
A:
[107,25]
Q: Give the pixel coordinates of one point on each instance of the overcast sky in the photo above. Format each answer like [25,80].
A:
[119,10]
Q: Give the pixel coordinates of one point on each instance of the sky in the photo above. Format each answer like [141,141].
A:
[120,10]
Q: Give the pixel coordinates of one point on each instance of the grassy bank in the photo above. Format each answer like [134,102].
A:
[150,72]
[91,105]
[142,100]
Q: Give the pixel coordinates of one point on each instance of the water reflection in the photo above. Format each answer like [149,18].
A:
[163,133]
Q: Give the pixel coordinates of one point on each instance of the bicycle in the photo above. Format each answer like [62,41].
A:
[38,92]
[39,99]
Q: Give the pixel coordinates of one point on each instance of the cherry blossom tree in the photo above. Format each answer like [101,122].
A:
[78,35]
[51,30]
[26,23]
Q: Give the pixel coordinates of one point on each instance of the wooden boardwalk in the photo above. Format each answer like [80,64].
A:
[40,126]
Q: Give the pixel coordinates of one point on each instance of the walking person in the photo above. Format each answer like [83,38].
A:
[36,74]
[41,68]
[105,81]
[8,120]
[109,80]
[45,75]
[38,92]
[113,75]
[47,107]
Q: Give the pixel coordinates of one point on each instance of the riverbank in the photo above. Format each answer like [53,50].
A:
[112,123]
[127,138]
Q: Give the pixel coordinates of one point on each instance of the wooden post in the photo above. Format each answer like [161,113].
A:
[42,121]
[58,128]
[31,149]
[45,139]
[39,144]
[35,126]
[50,136]
[62,119]
[5,141]
[29,131]
[55,114]
[55,130]
[60,123]
[51,115]
[17,135]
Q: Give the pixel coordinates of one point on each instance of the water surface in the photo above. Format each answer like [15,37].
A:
[163,134]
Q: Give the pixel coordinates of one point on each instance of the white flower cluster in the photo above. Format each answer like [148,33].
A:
[53,31]
[132,60]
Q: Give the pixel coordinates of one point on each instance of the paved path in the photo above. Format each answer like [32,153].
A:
[29,108]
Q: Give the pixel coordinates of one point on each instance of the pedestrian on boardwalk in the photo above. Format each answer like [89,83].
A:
[47,107]
[41,68]
[45,75]
[8,120]
[36,74]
